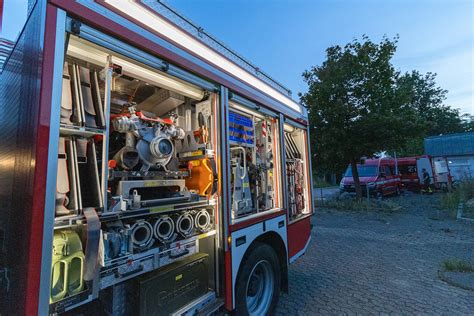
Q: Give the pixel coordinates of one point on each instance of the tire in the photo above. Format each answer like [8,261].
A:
[257,287]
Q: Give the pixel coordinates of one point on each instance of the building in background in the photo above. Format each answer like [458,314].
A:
[6,47]
[459,151]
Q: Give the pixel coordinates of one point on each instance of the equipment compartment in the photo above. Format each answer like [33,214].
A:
[296,171]
[137,173]
[254,157]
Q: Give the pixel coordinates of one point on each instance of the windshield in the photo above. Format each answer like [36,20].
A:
[364,171]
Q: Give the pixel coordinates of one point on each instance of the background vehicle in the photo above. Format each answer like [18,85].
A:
[378,175]
[410,169]
[145,168]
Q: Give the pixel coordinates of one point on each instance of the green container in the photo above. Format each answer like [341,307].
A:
[67,265]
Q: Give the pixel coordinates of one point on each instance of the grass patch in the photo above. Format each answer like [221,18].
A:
[456,265]
[463,192]
[450,202]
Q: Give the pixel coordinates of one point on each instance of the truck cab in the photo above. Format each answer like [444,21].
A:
[378,177]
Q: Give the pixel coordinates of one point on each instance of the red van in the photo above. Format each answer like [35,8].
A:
[411,172]
[379,176]
[408,169]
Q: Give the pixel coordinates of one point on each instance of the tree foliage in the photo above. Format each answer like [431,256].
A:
[467,122]
[433,116]
[360,105]
[354,104]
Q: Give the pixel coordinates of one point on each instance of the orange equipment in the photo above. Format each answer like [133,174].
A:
[203,177]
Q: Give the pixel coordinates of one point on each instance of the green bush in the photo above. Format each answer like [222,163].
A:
[463,192]
[466,190]
[450,200]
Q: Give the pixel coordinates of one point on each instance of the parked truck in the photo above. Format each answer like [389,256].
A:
[146,168]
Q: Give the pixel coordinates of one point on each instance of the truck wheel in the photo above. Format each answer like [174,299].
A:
[258,283]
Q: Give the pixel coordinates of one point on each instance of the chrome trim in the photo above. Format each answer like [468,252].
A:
[52,168]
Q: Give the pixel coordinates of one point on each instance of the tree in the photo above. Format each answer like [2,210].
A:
[467,122]
[433,117]
[355,105]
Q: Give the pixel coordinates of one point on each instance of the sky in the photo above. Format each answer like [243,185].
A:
[14,17]
[285,37]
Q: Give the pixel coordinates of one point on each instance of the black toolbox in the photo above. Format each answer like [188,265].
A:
[166,290]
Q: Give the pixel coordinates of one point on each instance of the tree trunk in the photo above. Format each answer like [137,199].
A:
[355,176]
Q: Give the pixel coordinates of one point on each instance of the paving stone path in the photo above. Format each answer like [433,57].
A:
[378,263]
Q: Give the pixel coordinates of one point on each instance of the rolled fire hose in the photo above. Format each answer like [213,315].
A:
[185,224]
[142,234]
[202,220]
[163,228]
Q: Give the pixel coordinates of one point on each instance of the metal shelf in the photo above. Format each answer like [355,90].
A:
[157,250]
[130,266]
[74,220]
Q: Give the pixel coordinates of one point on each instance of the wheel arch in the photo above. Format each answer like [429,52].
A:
[275,241]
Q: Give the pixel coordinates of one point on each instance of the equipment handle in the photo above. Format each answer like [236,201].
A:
[244,159]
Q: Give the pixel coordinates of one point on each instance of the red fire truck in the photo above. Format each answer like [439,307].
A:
[146,168]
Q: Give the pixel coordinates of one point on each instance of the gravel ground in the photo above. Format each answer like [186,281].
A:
[381,263]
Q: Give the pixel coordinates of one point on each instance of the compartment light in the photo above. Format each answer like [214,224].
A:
[138,12]
[82,50]
[288,128]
